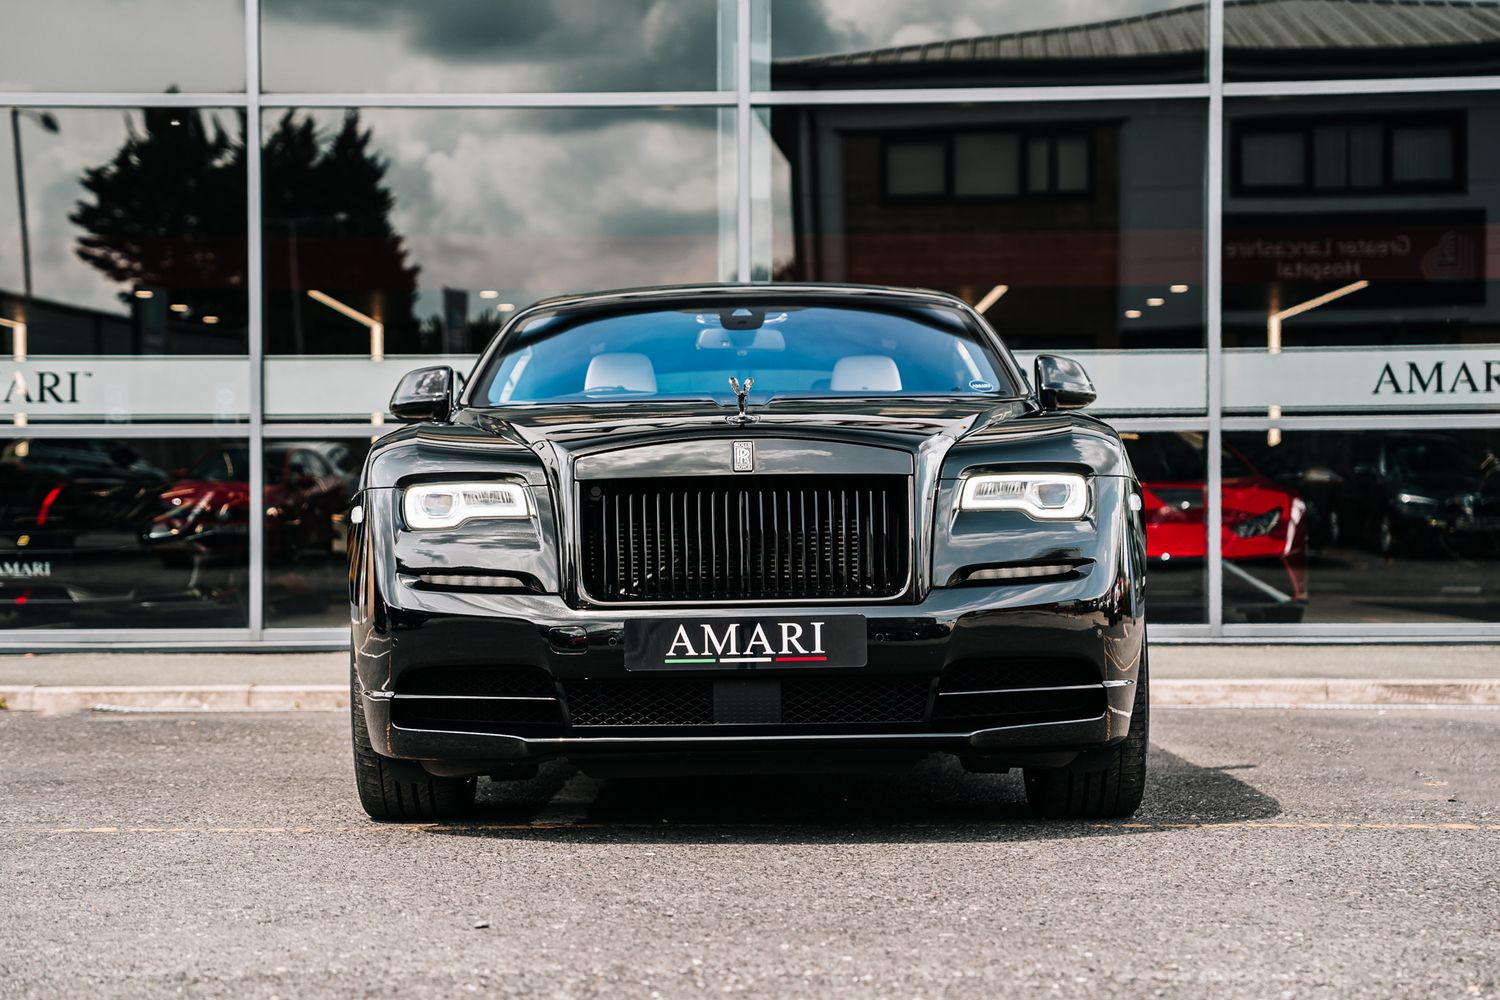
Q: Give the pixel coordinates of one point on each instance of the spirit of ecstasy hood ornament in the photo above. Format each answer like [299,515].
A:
[741,393]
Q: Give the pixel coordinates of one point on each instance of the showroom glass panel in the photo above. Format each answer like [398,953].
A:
[837,44]
[1359,274]
[1339,40]
[1174,476]
[398,238]
[1363,526]
[309,484]
[1078,228]
[134,248]
[114,533]
[472,46]
[136,46]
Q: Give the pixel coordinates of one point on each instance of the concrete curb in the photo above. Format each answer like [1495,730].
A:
[204,698]
[1273,693]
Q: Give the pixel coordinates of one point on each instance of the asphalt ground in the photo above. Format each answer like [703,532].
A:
[1309,853]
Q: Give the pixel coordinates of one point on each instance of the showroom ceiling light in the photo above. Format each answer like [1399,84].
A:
[1155,301]
[1177,289]
[377,329]
[1132,314]
[990,298]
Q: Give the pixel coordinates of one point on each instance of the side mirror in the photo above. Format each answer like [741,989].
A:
[425,394]
[1062,384]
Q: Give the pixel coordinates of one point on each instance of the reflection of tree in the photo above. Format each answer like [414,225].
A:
[168,212]
[328,227]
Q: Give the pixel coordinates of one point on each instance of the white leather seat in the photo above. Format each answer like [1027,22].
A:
[866,373]
[628,372]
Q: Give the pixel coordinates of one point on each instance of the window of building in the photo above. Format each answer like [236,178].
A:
[1318,157]
[986,164]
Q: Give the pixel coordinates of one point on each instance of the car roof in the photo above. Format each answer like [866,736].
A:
[782,291]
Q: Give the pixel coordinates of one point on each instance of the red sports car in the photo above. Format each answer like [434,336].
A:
[1264,533]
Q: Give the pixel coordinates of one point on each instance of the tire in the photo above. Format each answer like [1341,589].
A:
[1102,784]
[398,789]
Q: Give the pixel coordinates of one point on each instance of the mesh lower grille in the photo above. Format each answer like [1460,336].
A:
[833,701]
[641,702]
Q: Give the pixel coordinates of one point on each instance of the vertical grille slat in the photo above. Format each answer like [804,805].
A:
[747,538]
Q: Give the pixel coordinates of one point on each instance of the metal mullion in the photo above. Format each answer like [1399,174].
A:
[1314,88]
[983,95]
[52,99]
[1367,631]
[255,515]
[104,431]
[630,99]
[274,431]
[1148,425]
[742,152]
[1213,303]
[1366,421]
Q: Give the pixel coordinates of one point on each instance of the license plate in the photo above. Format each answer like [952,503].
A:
[745,643]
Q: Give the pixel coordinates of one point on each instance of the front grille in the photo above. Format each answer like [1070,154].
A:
[745,538]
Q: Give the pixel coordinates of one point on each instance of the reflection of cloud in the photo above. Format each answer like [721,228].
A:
[486,45]
[499,199]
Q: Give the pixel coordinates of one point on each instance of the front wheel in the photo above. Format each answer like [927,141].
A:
[391,789]
[1101,784]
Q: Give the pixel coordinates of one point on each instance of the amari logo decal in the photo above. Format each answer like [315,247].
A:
[25,570]
[722,645]
[737,643]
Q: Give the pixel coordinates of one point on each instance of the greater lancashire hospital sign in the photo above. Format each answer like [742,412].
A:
[357,389]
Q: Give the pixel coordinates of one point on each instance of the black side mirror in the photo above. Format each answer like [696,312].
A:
[425,394]
[1062,384]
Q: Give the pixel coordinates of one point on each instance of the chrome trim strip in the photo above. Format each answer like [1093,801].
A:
[1028,690]
[708,737]
[472,697]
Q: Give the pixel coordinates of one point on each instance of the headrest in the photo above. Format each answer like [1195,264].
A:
[866,372]
[628,372]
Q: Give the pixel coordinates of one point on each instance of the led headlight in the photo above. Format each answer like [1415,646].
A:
[447,505]
[1046,496]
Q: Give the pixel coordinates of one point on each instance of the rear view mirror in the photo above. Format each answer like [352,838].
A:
[1062,384]
[425,394]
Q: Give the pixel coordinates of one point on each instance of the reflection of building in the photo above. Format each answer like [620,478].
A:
[1078,211]
[1263,39]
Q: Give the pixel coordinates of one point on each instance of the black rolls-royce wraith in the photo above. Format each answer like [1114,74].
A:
[777,528]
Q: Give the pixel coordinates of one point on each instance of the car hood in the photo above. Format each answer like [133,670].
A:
[900,420]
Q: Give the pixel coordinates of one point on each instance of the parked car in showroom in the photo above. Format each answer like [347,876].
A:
[1263,534]
[1418,493]
[738,527]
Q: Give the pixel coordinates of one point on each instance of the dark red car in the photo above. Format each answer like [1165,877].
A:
[1264,531]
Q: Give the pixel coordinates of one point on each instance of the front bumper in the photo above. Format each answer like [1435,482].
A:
[1091,629]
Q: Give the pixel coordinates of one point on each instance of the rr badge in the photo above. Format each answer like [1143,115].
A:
[744,456]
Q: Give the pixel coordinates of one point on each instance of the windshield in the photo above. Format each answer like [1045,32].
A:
[787,350]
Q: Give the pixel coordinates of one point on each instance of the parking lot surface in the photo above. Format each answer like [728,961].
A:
[1279,854]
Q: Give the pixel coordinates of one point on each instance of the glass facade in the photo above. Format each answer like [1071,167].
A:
[227,227]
